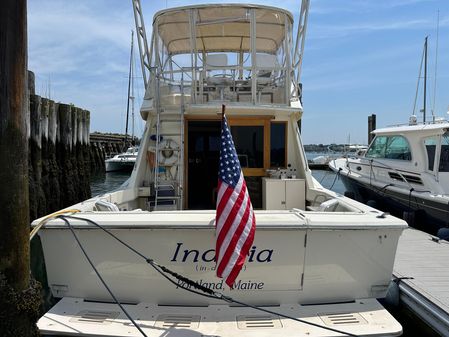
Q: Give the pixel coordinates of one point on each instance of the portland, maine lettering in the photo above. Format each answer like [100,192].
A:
[195,255]
[238,285]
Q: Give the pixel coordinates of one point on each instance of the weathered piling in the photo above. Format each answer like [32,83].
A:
[18,294]
[37,196]
[59,156]
[64,145]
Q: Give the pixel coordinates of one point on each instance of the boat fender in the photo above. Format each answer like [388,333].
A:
[372,203]
[415,218]
[393,292]
[392,296]
[409,217]
[443,234]
[350,194]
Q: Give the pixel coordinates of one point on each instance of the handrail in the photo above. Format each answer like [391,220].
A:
[371,160]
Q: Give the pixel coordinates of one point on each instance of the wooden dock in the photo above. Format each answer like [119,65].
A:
[422,265]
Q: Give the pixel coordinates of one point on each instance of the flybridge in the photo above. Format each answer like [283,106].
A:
[241,53]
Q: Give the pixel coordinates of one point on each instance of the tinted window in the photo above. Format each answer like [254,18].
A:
[248,141]
[277,145]
[444,157]
[430,145]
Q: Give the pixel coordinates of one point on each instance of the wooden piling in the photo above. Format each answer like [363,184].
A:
[53,191]
[18,294]
[14,254]
[37,197]
[63,150]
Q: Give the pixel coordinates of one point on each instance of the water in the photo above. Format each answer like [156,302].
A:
[413,326]
[106,182]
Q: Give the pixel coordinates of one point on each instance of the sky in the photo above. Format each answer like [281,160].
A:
[361,57]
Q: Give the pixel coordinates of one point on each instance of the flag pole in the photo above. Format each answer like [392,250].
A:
[223,108]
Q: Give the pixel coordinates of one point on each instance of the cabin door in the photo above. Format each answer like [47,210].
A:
[203,153]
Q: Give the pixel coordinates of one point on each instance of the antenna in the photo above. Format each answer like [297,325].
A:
[425,81]
[417,84]
[436,67]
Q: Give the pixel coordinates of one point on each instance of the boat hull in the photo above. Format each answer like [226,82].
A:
[114,166]
[285,265]
[421,213]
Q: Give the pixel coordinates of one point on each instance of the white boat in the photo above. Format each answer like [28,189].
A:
[405,169]
[356,150]
[319,260]
[123,161]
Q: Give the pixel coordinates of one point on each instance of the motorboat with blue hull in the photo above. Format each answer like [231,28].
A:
[319,260]
[405,171]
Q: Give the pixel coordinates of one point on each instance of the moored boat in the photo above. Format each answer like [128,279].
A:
[319,260]
[123,161]
[405,171]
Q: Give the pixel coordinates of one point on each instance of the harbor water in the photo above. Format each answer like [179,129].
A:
[413,326]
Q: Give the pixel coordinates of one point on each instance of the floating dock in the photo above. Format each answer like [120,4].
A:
[421,268]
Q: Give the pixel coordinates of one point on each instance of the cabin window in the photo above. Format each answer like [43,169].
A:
[430,145]
[252,141]
[444,157]
[398,148]
[391,147]
[248,141]
[377,148]
[278,144]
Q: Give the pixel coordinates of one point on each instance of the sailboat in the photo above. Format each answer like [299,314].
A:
[405,170]
[319,260]
[125,161]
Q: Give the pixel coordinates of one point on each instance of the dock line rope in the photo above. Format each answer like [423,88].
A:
[337,174]
[202,290]
[67,222]
[50,217]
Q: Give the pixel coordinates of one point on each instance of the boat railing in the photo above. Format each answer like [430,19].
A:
[208,84]
[371,161]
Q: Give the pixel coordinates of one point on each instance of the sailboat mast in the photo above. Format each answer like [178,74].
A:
[425,80]
[129,85]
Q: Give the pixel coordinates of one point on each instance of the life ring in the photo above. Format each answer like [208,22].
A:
[168,152]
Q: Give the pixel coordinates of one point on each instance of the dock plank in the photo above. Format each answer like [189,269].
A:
[424,263]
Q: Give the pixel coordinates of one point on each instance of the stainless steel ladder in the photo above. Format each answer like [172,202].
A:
[168,172]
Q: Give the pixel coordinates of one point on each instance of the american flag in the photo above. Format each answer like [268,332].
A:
[235,221]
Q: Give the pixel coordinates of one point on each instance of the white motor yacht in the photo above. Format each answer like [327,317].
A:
[405,169]
[123,161]
[319,260]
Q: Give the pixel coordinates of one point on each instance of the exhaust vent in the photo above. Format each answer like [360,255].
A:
[96,317]
[178,321]
[258,322]
[351,318]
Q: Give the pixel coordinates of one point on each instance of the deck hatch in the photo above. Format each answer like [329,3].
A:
[245,322]
[95,316]
[178,321]
[350,318]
